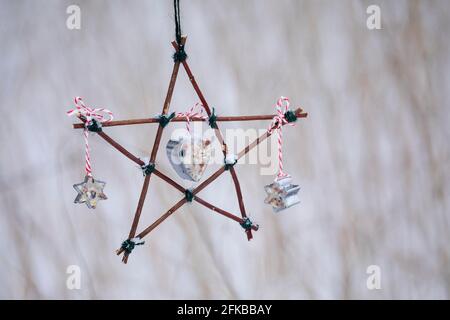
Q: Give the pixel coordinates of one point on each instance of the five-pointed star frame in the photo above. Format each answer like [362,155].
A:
[191,194]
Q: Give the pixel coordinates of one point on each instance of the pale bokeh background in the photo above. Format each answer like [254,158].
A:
[372,158]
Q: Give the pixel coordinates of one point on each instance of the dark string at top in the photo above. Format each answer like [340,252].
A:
[176,5]
[180,55]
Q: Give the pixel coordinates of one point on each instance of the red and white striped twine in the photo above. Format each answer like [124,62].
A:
[87,114]
[192,114]
[277,124]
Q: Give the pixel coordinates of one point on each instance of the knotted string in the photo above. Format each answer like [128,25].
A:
[164,119]
[93,118]
[212,120]
[284,116]
[129,244]
[191,113]
[189,195]
[246,223]
[176,8]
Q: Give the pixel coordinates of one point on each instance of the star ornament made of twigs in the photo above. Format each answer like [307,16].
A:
[188,195]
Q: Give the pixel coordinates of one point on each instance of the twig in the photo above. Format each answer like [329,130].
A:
[202,98]
[197,198]
[162,218]
[114,143]
[162,176]
[183,119]
[154,152]
[166,107]
[240,198]
[153,226]
[121,149]
[223,212]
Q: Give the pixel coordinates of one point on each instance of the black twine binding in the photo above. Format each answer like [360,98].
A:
[180,55]
[247,224]
[212,120]
[290,116]
[94,125]
[164,119]
[189,195]
[129,245]
[148,169]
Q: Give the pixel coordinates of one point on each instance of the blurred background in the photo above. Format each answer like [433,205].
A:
[372,158]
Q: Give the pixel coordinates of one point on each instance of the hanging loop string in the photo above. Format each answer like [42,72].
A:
[89,116]
[176,5]
[192,114]
[180,55]
[277,123]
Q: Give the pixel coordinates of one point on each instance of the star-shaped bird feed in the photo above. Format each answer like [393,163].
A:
[150,168]
[90,192]
[282,194]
